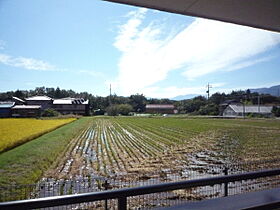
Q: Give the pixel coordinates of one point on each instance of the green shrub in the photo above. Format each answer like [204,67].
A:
[50,113]
[276,111]
[120,109]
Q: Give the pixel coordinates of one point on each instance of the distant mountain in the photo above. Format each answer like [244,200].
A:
[274,90]
[183,97]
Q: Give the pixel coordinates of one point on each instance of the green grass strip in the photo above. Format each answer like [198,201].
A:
[27,163]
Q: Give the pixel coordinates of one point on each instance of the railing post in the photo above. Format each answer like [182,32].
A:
[226,183]
[122,203]
[106,188]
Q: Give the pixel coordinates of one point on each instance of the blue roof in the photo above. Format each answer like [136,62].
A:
[6,104]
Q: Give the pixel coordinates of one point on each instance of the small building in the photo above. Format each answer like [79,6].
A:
[26,111]
[5,108]
[225,104]
[71,106]
[160,109]
[44,101]
[240,110]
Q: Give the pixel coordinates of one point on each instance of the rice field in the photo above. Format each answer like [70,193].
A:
[14,132]
[134,151]
[134,145]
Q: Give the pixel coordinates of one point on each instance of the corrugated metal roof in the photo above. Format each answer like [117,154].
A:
[62,101]
[38,98]
[70,101]
[251,109]
[18,99]
[26,107]
[160,106]
[6,104]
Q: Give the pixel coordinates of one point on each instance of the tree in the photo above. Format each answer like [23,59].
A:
[276,111]
[123,109]
[209,109]
[57,93]
[112,110]
[138,102]
[19,94]
[217,98]
[40,91]
[50,92]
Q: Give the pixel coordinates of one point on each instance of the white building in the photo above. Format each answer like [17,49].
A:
[239,110]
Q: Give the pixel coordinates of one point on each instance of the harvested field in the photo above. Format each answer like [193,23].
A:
[131,151]
[125,146]
[136,151]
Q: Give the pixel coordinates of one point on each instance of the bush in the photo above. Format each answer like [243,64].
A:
[123,109]
[112,110]
[276,111]
[50,113]
[209,109]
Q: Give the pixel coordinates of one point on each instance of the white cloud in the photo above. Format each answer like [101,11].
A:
[249,63]
[204,47]
[27,63]
[172,91]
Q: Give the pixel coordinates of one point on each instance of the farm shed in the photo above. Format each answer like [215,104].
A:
[71,106]
[5,108]
[237,110]
[225,104]
[44,101]
[26,111]
[160,108]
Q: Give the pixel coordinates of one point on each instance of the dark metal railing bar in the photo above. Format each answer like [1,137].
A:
[122,203]
[226,183]
[135,191]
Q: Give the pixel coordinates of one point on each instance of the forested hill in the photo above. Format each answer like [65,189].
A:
[136,103]
[274,90]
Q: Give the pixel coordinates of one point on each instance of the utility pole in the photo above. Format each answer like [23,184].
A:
[243,104]
[208,92]
[259,103]
[110,101]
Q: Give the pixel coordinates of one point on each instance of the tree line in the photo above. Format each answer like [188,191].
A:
[115,104]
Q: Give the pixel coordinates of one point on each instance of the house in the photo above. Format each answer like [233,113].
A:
[71,106]
[5,108]
[160,108]
[26,111]
[44,101]
[234,110]
[33,106]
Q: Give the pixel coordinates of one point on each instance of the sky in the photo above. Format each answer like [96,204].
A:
[89,44]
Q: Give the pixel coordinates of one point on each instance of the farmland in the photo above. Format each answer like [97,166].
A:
[129,146]
[14,132]
[127,149]
[27,163]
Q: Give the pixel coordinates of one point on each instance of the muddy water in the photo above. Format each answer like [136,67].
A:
[202,164]
[78,171]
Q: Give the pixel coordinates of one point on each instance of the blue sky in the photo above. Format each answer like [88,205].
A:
[87,45]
